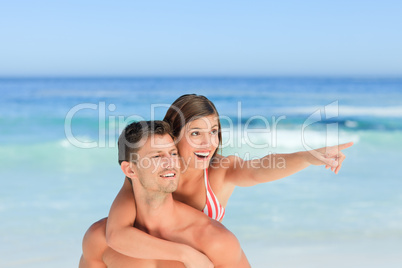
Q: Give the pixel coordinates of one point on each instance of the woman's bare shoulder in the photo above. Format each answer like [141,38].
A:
[224,162]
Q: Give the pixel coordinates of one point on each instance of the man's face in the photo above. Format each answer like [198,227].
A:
[157,167]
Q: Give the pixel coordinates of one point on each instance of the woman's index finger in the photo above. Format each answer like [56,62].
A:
[345,145]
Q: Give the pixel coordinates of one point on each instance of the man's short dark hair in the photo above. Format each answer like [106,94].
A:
[130,139]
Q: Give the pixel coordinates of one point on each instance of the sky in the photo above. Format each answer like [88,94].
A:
[200,38]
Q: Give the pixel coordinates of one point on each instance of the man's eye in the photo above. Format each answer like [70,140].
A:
[175,153]
[155,156]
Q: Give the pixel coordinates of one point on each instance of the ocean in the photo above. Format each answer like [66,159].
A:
[59,171]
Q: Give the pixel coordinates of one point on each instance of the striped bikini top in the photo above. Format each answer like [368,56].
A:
[212,207]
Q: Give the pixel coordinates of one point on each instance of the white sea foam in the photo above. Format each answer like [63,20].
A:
[80,141]
[65,143]
[291,140]
[344,110]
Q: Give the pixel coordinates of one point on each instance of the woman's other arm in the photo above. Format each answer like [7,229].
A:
[277,166]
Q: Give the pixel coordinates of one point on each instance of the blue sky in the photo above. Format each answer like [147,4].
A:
[201,38]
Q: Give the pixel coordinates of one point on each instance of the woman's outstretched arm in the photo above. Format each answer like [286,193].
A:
[276,166]
[130,241]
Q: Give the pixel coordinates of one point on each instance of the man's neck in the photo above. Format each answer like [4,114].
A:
[154,211]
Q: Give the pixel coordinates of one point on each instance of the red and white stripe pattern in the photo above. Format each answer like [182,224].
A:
[212,208]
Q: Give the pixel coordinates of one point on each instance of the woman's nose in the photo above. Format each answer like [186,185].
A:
[206,139]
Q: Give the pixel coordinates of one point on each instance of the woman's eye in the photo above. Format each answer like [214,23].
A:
[155,156]
[175,153]
[195,133]
[214,132]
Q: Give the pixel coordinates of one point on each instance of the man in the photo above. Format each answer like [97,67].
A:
[149,160]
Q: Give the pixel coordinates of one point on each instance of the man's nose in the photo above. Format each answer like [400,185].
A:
[169,161]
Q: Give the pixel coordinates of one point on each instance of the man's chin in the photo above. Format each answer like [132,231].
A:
[170,188]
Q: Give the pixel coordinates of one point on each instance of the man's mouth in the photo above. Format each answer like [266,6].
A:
[202,155]
[168,175]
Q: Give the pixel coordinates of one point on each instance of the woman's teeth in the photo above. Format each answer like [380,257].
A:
[206,154]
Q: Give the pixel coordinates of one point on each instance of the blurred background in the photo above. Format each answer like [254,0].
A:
[88,68]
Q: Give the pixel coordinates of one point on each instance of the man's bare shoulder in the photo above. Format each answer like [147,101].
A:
[210,237]
[94,243]
[96,232]
[215,234]
[221,245]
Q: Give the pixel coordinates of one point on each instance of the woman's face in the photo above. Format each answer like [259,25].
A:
[198,142]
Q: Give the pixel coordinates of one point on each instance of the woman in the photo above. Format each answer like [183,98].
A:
[207,179]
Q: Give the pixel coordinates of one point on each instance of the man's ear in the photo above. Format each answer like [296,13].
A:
[127,169]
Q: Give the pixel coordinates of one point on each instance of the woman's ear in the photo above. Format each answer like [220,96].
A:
[127,169]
